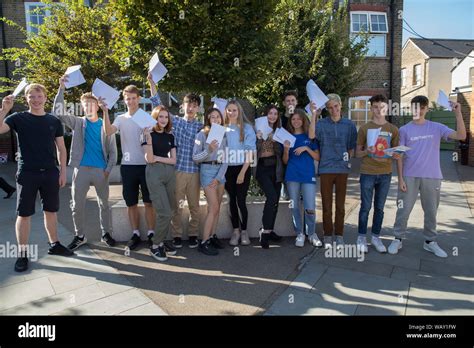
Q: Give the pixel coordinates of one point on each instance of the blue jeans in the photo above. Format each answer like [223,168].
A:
[380,184]
[295,189]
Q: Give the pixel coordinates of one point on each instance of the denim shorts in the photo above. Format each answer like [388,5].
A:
[208,173]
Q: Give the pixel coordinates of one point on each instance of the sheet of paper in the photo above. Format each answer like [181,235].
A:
[372,136]
[261,124]
[398,149]
[316,95]
[143,119]
[443,101]
[21,86]
[217,132]
[157,69]
[308,109]
[102,90]
[219,104]
[281,135]
[74,76]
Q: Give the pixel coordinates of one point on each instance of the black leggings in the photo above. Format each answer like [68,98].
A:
[5,186]
[237,195]
[266,177]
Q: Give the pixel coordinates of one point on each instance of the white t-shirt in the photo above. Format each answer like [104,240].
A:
[130,134]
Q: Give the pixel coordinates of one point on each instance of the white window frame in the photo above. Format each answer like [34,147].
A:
[378,14]
[403,77]
[359,13]
[28,13]
[367,106]
[369,22]
[384,53]
[415,80]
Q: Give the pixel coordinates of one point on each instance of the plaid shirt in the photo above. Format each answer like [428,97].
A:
[184,134]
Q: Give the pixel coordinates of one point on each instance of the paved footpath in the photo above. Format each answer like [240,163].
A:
[414,282]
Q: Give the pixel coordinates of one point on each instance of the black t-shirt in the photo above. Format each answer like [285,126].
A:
[36,139]
[162,143]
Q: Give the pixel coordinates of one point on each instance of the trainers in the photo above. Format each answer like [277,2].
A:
[159,253]
[216,243]
[107,239]
[362,243]
[395,246]
[327,242]
[378,245]
[193,242]
[21,264]
[207,249]
[169,248]
[339,242]
[435,249]
[77,242]
[234,240]
[274,237]
[315,241]
[149,240]
[177,242]
[244,238]
[264,239]
[134,242]
[300,240]
[59,249]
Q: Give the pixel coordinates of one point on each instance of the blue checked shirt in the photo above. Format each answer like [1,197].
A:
[184,134]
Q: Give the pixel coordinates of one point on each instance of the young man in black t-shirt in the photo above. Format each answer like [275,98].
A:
[39,135]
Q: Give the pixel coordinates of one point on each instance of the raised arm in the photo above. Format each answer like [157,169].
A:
[109,128]
[59,106]
[460,133]
[7,105]
[315,113]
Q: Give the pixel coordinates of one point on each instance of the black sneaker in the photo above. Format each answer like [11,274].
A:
[59,249]
[9,194]
[21,264]
[107,239]
[159,253]
[169,248]
[216,243]
[264,239]
[149,240]
[77,242]
[193,242]
[207,249]
[134,242]
[274,237]
[177,243]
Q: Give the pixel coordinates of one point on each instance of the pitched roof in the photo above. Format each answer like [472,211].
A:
[458,48]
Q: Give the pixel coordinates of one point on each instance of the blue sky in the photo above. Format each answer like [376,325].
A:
[444,19]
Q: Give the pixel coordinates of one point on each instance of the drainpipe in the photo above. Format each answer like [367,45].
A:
[392,39]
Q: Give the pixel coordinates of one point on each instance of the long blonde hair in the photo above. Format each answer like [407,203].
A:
[241,118]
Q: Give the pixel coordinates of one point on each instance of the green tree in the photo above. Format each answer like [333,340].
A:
[315,44]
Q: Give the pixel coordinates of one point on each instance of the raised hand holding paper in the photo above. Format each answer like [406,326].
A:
[21,86]
[157,69]
[316,95]
[281,135]
[216,132]
[444,101]
[74,76]
[219,104]
[261,124]
[372,136]
[109,94]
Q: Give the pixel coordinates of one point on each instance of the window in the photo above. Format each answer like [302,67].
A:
[35,15]
[471,72]
[359,110]
[404,78]
[374,23]
[417,75]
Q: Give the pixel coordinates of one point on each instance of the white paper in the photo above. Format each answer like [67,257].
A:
[261,124]
[219,104]
[372,136]
[316,95]
[102,90]
[216,132]
[281,135]
[398,149]
[143,119]
[21,86]
[308,109]
[157,69]
[443,101]
[74,76]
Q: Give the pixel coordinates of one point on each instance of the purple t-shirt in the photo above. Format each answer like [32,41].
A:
[422,161]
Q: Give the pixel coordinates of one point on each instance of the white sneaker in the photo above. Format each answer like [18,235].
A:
[362,244]
[300,240]
[234,240]
[378,245]
[315,241]
[244,238]
[395,246]
[435,249]
[339,242]
[328,242]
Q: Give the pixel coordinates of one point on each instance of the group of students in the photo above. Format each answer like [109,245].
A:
[170,162]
